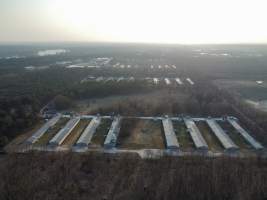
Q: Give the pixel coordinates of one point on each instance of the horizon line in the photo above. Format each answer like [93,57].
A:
[119,42]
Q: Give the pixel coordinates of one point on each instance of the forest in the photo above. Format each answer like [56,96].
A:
[24,92]
[24,96]
[69,176]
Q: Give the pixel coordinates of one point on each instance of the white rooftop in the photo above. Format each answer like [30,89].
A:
[195,134]
[171,140]
[221,135]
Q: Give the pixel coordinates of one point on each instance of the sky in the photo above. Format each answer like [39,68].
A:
[140,21]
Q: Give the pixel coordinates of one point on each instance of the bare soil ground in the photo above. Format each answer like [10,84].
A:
[76,133]
[211,139]
[184,138]
[51,132]
[141,134]
[100,134]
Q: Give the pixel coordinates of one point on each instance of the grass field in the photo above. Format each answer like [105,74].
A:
[141,134]
[51,132]
[184,139]
[76,132]
[235,135]
[100,134]
[211,139]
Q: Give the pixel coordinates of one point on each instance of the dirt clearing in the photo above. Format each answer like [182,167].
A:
[141,134]
[184,138]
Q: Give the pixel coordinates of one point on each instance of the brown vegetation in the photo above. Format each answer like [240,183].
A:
[141,134]
[100,134]
[120,177]
[183,136]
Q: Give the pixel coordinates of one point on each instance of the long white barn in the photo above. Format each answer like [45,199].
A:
[171,140]
[190,81]
[156,80]
[64,132]
[167,81]
[178,80]
[40,132]
[197,138]
[113,133]
[225,140]
[88,133]
[245,134]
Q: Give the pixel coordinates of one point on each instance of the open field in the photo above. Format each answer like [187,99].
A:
[253,93]
[260,105]
[111,103]
[100,134]
[153,103]
[184,139]
[211,139]
[76,132]
[141,134]
[90,105]
[51,132]
[248,89]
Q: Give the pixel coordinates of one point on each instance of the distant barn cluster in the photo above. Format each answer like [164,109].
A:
[83,141]
[154,80]
[125,66]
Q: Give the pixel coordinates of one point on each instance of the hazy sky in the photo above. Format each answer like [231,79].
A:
[159,21]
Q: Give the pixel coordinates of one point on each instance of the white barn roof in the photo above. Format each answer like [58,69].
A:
[221,135]
[40,132]
[245,134]
[171,140]
[190,81]
[113,133]
[167,81]
[88,133]
[155,80]
[64,132]
[197,138]
[178,80]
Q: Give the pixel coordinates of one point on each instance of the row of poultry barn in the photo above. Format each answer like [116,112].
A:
[155,80]
[169,135]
